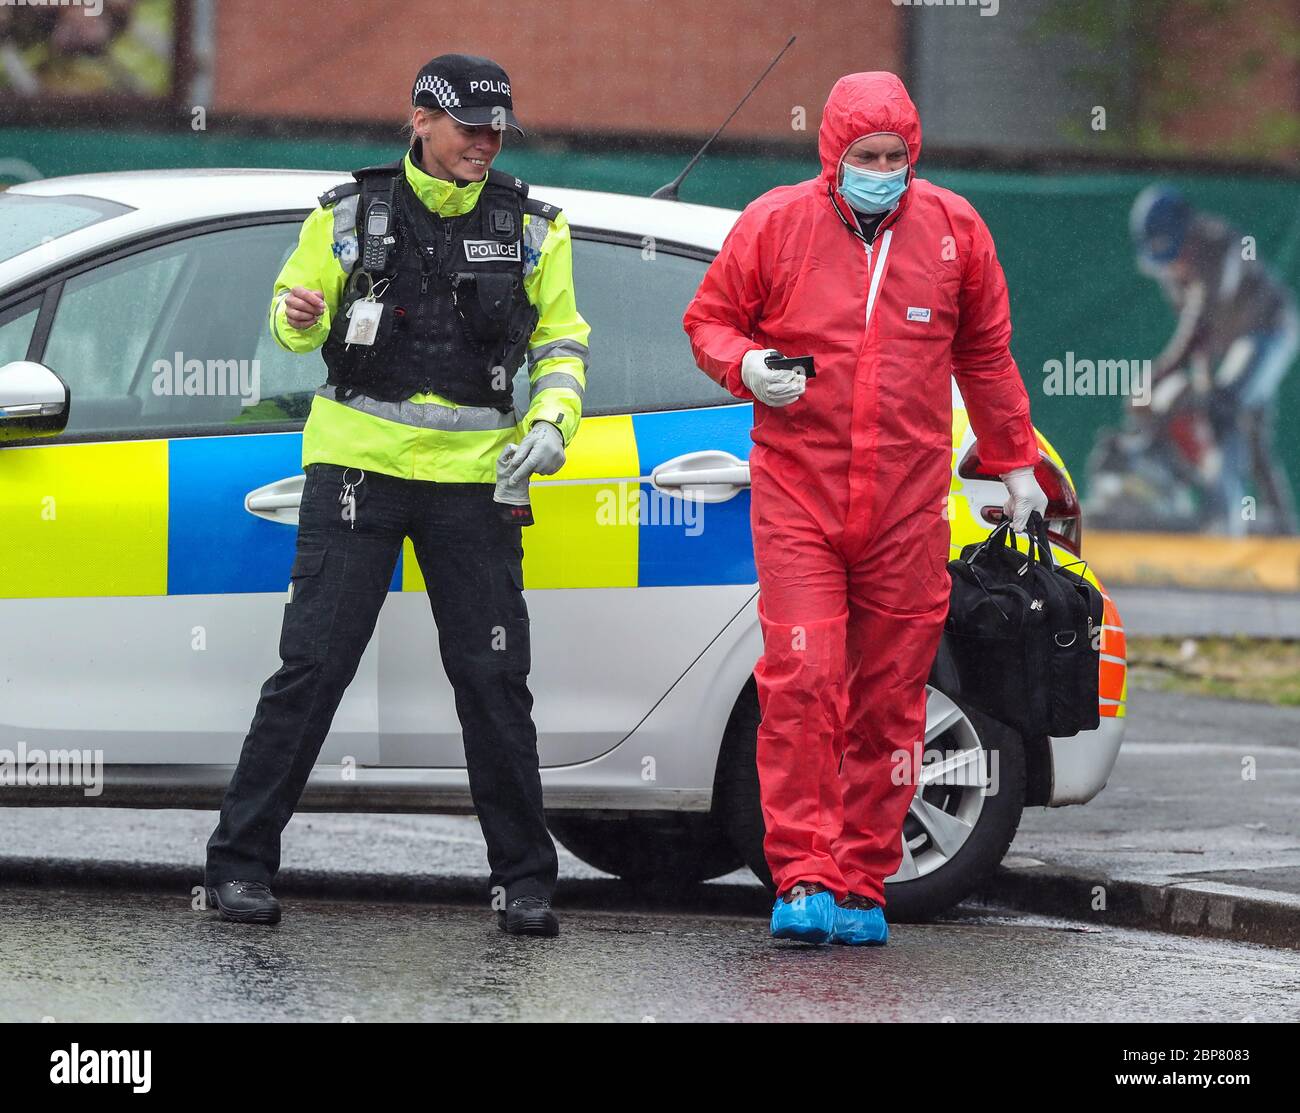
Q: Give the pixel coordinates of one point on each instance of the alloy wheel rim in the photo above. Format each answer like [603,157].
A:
[950,790]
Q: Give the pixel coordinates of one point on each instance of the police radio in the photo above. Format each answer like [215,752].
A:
[379,219]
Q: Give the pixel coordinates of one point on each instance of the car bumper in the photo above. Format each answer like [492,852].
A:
[1081,764]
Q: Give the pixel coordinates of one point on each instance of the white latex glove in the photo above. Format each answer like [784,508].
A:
[541,451]
[771,387]
[512,494]
[1026,497]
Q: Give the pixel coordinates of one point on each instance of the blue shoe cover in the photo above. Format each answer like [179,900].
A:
[808,919]
[860,926]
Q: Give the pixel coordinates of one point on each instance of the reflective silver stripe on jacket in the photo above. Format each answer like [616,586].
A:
[535,232]
[566,347]
[554,379]
[346,247]
[429,415]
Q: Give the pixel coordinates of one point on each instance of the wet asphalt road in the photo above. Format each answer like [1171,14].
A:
[76,955]
[97,924]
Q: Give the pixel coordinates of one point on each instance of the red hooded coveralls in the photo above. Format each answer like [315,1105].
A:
[850,482]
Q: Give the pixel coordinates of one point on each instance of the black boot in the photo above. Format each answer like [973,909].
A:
[529,916]
[245,902]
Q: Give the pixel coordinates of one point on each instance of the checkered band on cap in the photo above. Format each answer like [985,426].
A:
[442,91]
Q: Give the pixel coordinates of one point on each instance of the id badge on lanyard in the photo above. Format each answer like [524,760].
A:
[364,314]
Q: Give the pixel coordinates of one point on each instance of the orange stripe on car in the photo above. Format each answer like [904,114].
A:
[1110,680]
[1114,642]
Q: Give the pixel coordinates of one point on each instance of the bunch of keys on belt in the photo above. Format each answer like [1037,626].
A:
[348,497]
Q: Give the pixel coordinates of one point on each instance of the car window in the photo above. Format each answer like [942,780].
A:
[633,298]
[102,327]
[16,327]
[27,222]
[176,338]
[291,376]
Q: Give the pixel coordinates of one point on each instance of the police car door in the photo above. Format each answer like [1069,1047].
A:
[627,581]
[140,595]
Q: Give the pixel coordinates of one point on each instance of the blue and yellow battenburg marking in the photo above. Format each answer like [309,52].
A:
[167,517]
[139,518]
[84,520]
[598,524]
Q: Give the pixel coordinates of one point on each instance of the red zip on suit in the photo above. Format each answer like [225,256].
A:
[850,482]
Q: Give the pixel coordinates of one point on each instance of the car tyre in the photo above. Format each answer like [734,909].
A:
[682,849]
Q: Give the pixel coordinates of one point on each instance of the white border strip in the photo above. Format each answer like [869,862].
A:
[878,273]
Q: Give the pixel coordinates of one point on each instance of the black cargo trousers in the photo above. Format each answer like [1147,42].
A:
[472,562]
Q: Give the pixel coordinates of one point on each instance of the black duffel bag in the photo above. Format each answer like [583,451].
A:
[1025,634]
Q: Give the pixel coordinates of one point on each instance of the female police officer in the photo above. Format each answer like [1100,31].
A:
[425,282]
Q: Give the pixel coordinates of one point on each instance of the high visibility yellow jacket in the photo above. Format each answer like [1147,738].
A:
[430,437]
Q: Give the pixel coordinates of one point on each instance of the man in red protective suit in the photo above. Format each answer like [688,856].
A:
[890,284]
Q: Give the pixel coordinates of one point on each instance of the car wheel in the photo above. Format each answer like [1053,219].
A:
[956,832]
[680,850]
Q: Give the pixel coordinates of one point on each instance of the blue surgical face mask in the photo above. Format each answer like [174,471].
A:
[873,191]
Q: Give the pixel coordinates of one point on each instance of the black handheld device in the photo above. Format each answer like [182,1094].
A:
[378,221]
[795,363]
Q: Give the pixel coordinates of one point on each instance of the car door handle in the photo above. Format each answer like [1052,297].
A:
[709,476]
[278,501]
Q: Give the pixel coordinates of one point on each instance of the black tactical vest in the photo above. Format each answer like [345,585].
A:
[455,319]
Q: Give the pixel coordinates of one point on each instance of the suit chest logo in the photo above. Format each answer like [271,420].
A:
[915,314]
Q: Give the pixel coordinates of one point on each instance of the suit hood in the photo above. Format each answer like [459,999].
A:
[863,104]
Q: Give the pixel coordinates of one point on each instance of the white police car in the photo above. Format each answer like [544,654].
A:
[145,547]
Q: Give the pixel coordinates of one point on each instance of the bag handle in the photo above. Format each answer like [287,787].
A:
[1046,546]
[1003,535]
[1075,564]
[995,537]
[1036,529]
[1038,547]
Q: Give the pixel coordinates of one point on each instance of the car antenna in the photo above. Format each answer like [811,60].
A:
[669,192]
